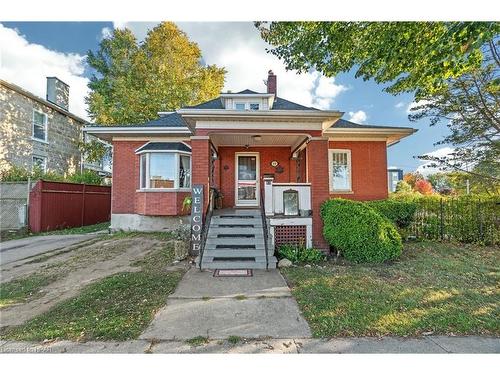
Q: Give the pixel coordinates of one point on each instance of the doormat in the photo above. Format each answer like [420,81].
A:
[233,273]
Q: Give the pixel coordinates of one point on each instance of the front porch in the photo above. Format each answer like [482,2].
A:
[271,174]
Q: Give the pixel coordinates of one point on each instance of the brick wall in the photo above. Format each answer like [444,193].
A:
[126,198]
[317,166]
[266,155]
[125,176]
[369,169]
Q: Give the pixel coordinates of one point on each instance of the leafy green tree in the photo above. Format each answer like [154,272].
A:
[133,81]
[409,56]
[470,107]
[403,187]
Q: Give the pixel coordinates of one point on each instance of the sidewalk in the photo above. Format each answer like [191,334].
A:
[220,307]
[429,344]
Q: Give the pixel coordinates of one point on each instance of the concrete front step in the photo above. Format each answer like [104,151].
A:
[214,232]
[218,221]
[232,253]
[257,243]
[225,265]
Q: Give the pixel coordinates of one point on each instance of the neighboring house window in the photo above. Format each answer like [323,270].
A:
[239,106]
[340,170]
[39,162]
[39,125]
[165,170]
[254,106]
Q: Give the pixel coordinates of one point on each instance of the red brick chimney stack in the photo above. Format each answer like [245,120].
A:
[272,87]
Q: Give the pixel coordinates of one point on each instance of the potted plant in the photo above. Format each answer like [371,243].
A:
[186,203]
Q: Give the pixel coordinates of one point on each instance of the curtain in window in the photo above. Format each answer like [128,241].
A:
[340,171]
[185,171]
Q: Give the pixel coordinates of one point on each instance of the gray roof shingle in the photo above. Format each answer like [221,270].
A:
[164,146]
[344,124]
[279,103]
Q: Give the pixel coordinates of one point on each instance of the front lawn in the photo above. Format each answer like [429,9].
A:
[433,288]
[118,307]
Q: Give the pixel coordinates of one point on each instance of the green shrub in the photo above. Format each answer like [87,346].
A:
[18,174]
[359,232]
[297,253]
[401,213]
[85,177]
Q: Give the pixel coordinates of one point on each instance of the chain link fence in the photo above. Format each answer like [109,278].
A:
[13,205]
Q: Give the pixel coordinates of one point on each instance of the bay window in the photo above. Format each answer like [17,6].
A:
[339,165]
[165,170]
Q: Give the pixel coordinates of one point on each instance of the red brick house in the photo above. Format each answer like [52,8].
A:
[265,156]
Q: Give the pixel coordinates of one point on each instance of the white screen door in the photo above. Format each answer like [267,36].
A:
[247,179]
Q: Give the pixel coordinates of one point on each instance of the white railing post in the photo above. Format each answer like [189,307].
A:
[268,196]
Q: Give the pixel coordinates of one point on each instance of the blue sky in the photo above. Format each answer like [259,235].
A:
[32,50]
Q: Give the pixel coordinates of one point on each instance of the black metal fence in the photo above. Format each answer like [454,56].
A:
[469,220]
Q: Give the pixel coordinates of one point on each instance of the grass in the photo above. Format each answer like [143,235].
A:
[20,290]
[197,341]
[434,288]
[118,307]
[233,340]
[6,235]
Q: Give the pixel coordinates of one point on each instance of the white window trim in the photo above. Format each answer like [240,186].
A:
[45,121]
[330,170]
[247,103]
[44,169]
[176,180]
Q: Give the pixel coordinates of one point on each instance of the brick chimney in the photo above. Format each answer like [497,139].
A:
[272,87]
[57,92]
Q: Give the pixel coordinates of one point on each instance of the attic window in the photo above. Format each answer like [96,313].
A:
[239,106]
[254,106]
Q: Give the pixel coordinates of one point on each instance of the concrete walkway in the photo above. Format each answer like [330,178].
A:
[428,344]
[219,307]
[15,250]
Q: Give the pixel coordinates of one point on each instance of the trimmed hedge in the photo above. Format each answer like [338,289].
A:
[401,213]
[359,232]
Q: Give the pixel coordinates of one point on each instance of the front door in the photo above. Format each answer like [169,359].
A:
[247,179]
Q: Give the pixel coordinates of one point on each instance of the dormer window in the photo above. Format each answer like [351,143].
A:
[246,106]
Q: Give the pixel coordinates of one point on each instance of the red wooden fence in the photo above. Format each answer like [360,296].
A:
[58,205]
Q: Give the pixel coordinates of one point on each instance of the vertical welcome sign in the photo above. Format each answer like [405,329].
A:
[196,218]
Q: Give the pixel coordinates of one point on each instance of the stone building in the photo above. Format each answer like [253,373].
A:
[41,132]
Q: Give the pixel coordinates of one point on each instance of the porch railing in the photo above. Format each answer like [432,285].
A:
[264,227]
[206,224]
[273,201]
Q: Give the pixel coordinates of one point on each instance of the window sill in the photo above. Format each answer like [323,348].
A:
[171,190]
[341,192]
[39,140]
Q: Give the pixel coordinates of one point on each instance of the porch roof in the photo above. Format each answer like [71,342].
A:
[258,139]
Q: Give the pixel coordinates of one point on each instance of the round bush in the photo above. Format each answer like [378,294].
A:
[360,233]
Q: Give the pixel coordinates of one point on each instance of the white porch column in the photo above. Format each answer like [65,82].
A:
[268,196]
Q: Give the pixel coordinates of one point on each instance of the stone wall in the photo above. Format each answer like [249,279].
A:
[16,144]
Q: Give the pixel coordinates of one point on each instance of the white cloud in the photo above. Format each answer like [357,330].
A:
[415,104]
[400,104]
[358,117]
[27,65]
[426,168]
[106,32]
[238,47]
